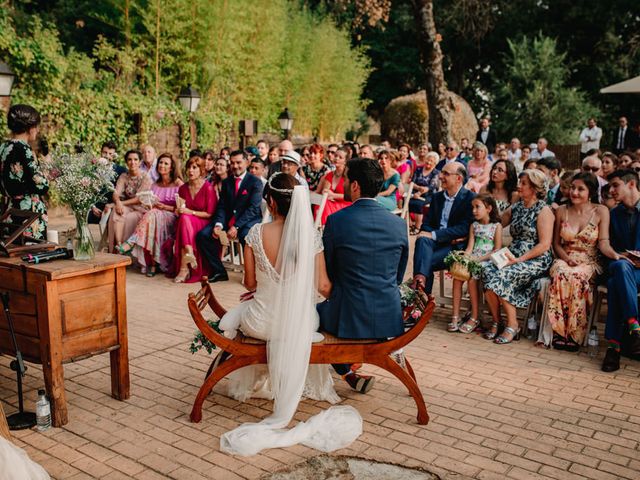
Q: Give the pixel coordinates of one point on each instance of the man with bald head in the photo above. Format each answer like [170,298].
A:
[445,227]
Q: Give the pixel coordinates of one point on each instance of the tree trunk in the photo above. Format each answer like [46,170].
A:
[438,99]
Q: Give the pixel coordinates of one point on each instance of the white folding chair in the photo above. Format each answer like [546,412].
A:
[404,211]
[321,202]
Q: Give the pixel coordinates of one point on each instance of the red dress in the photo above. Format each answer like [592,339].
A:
[333,206]
[188,226]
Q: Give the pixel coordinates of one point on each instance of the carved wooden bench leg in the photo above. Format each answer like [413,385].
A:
[410,369]
[221,371]
[392,367]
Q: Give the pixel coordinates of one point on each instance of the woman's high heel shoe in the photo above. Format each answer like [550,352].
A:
[189,259]
[124,248]
[182,276]
[502,340]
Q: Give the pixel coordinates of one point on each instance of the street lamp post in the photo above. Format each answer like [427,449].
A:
[286,122]
[189,98]
[6,84]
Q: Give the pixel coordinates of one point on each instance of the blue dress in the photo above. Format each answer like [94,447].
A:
[429,180]
[516,283]
[390,202]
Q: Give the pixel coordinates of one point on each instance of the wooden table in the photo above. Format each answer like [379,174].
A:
[66,310]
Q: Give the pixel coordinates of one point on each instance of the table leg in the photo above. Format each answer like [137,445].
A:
[120,356]
[54,383]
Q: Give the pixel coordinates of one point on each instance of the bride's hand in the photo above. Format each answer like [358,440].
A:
[247,296]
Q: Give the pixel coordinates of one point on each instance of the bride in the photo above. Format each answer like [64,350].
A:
[284,263]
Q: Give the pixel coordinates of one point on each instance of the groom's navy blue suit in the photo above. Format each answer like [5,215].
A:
[366,251]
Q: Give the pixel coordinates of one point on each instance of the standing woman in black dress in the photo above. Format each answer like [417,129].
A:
[23,183]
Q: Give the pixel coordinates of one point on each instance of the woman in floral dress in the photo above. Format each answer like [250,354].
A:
[316,168]
[23,183]
[514,286]
[581,227]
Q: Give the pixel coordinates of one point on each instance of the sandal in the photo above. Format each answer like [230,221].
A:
[453,326]
[503,340]
[571,345]
[470,325]
[124,249]
[558,342]
[182,276]
[493,332]
[151,271]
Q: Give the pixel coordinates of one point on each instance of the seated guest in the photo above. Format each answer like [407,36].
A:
[196,206]
[333,183]
[273,156]
[581,228]
[453,154]
[387,196]
[609,164]
[444,227]
[221,172]
[149,162]
[284,147]
[209,166]
[624,276]
[564,189]
[478,168]
[405,165]
[593,164]
[513,286]
[290,163]
[126,209]
[108,151]
[257,168]
[625,159]
[551,167]
[530,164]
[503,184]
[607,199]
[426,183]
[364,301]
[151,241]
[316,168]
[22,180]
[525,153]
[237,211]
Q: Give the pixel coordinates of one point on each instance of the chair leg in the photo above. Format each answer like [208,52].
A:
[219,373]
[392,367]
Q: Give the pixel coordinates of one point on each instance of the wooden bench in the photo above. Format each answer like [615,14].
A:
[243,351]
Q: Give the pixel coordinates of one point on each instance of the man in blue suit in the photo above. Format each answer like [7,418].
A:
[237,211]
[366,251]
[624,276]
[445,227]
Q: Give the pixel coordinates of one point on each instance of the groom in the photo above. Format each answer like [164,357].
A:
[366,250]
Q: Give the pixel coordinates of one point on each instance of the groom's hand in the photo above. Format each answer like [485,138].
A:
[425,234]
[216,232]
[232,233]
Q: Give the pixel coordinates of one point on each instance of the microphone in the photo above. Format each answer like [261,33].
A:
[47,256]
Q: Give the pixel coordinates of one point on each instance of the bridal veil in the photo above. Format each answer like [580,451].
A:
[288,350]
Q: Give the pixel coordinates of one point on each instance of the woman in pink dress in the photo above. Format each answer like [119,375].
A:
[151,244]
[197,203]
[478,168]
[333,182]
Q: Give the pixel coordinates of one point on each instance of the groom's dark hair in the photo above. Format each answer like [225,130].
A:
[367,173]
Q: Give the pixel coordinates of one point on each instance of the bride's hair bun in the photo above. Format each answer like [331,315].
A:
[22,117]
[280,188]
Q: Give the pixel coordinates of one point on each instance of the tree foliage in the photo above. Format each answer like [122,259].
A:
[534,93]
[89,66]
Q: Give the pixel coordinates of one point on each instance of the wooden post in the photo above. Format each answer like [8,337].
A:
[4,428]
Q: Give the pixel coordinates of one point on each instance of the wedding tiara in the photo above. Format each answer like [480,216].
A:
[286,191]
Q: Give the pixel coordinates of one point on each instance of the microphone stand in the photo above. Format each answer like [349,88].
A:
[21,419]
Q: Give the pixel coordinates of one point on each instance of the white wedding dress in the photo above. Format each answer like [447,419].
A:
[16,464]
[253,318]
[282,312]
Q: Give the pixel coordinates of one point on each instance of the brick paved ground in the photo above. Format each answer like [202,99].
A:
[513,411]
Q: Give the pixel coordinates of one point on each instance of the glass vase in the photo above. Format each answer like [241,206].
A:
[83,243]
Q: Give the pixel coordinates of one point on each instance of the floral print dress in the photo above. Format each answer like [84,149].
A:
[571,289]
[516,283]
[484,241]
[23,183]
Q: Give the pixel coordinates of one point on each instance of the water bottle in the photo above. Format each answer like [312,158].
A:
[43,412]
[532,327]
[69,244]
[592,343]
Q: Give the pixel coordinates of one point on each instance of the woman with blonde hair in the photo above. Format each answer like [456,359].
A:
[513,286]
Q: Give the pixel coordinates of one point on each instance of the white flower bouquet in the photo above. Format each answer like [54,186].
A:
[81,181]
